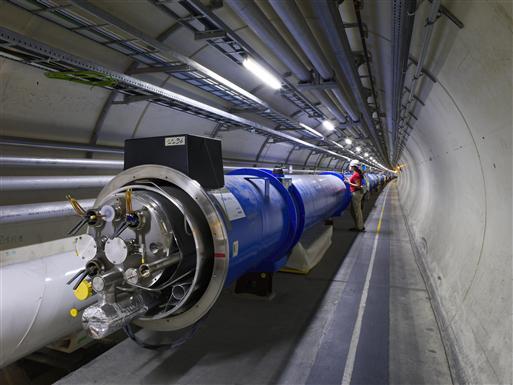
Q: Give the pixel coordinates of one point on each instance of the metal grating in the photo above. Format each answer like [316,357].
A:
[106,33]
[202,21]
[17,47]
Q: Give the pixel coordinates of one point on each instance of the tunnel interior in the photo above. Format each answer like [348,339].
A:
[417,91]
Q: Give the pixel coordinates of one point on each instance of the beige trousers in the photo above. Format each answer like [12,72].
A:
[356,209]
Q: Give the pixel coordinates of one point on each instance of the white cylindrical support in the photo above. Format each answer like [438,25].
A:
[35,299]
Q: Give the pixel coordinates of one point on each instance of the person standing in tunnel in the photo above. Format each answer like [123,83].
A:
[355,185]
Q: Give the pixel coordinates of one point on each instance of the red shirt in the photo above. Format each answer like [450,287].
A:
[355,178]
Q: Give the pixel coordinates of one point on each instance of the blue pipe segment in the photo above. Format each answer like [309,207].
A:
[265,219]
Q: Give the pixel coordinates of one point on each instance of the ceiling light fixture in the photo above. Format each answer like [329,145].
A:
[358,149]
[348,141]
[328,125]
[366,155]
[311,130]
[261,73]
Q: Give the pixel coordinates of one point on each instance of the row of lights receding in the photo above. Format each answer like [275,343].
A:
[272,81]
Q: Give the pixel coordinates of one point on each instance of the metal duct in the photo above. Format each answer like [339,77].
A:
[34,183]
[249,12]
[39,211]
[328,103]
[327,12]
[428,30]
[293,19]
[15,161]
[35,143]
[403,13]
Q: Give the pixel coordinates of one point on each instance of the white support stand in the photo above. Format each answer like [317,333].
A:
[309,250]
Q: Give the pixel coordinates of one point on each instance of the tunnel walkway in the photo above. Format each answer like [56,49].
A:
[362,316]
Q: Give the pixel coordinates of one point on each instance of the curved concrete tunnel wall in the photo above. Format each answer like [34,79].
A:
[455,189]
[456,192]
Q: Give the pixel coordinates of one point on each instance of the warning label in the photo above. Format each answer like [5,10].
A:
[230,204]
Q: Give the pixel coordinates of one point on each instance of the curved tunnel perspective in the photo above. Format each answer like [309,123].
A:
[193,171]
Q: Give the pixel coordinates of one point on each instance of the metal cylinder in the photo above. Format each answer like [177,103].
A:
[39,211]
[291,15]
[263,221]
[16,161]
[179,291]
[252,15]
[317,197]
[20,183]
[36,300]
[35,143]
[100,282]
[147,269]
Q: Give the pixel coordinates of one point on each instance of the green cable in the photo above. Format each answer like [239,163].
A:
[91,78]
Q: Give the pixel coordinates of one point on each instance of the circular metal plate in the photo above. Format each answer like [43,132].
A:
[116,251]
[217,229]
[85,247]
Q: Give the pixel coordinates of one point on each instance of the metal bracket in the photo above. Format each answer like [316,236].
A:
[424,70]
[266,185]
[134,99]
[322,85]
[176,68]
[209,34]
[445,12]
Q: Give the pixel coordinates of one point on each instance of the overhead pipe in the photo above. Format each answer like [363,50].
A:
[357,6]
[295,22]
[251,14]
[257,21]
[39,211]
[15,161]
[328,14]
[35,183]
[428,31]
[403,17]
[53,145]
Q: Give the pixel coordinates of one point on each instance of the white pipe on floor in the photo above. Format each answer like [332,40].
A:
[34,298]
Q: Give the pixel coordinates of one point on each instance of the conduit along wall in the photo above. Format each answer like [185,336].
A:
[160,245]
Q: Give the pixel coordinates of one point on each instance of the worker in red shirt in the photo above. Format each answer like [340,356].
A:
[355,185]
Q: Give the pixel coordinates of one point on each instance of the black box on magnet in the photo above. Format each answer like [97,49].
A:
[196,156]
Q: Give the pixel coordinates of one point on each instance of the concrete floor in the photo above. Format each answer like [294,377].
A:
[307,333]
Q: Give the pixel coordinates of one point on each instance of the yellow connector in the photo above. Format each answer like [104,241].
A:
[83,291]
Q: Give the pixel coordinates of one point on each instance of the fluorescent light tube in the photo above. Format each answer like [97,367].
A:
[261,73]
